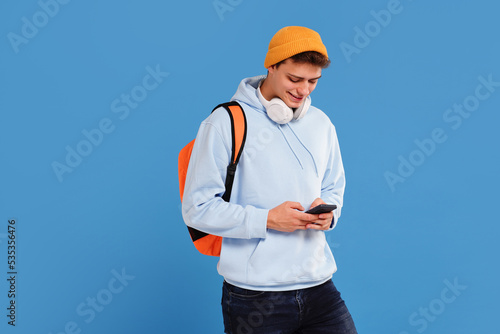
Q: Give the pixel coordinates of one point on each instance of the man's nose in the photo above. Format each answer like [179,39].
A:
[303,89]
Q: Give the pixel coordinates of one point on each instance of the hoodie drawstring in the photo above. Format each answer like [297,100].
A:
[280,127]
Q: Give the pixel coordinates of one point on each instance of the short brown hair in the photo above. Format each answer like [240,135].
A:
[310,57]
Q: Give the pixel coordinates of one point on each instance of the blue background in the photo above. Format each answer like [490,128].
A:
[397,244]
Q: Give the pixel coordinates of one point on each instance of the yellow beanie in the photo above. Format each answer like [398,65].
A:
[289,41]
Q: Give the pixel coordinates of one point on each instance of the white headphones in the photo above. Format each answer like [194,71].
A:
[278,111]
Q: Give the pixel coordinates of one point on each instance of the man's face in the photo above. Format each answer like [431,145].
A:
[292,82]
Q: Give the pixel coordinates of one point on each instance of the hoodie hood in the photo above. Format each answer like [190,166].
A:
[247,92]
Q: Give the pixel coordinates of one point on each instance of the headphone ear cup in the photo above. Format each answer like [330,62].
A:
[278,111]
[302,110]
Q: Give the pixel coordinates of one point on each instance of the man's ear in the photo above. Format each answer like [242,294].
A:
[271,69]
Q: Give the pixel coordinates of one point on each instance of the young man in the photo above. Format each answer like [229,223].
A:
[275,259]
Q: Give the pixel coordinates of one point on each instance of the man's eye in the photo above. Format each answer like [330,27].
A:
[294,80]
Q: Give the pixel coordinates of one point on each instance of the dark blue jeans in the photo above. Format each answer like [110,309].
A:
[317,310]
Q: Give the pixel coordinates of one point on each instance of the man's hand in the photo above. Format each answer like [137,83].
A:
[323,220]
[287,217]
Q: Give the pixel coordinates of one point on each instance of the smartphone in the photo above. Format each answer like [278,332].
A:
[322,208]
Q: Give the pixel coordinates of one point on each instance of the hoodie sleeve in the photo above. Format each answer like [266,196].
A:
[333,184]
[203,207]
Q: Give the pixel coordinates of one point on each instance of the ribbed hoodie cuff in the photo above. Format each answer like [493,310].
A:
[334,222]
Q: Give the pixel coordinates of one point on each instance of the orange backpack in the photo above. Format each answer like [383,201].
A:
[209,244]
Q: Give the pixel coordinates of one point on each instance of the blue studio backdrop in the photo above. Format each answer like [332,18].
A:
[98,97]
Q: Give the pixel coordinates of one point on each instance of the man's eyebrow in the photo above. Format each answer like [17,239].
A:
[297,77]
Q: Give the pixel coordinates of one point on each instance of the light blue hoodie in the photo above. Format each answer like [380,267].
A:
[298,161]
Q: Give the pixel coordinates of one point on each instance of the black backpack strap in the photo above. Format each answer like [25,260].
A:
[238,134]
